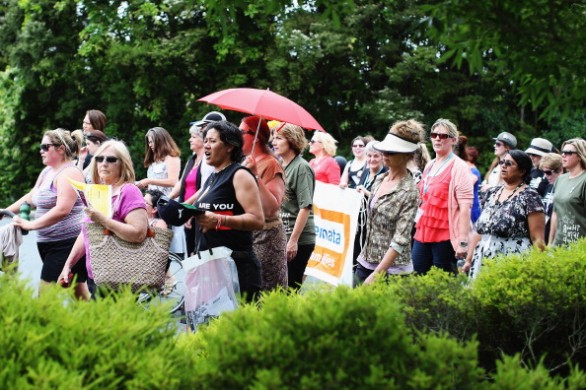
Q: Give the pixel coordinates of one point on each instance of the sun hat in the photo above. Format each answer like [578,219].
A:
[212,116]
[395,144]
[540,147]
[507,138]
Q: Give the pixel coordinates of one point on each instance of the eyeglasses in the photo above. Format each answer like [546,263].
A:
[45,147]
[109,159]
[358,146]
[440,136]
[499,144]
[568,152]
[549,173]
[506,163]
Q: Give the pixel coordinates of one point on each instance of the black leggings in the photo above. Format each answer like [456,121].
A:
[296,267]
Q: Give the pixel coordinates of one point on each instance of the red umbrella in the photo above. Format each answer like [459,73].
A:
[263,103]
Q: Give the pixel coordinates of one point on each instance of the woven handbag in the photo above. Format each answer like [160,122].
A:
[116,262]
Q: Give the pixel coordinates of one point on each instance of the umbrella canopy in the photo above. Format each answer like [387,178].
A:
[263,103]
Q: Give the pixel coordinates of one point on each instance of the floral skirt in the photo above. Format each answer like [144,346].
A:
[270,246]
[490,246]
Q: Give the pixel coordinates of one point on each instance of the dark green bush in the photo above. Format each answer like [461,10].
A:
[54,341]
[327,340]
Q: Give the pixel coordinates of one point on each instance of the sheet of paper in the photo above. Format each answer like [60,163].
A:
[97,196]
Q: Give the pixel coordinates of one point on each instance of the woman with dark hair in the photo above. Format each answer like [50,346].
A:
[270,242]
[93,140]
[502,144]
[512,218]
[231,199]
[468,154]
[356,167]
[92,121]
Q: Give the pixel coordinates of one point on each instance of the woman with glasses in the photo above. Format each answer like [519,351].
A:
[502,144]
[551,166]
[111,165]
[356,167]
[391,207]
[58,208]
[270,242]
[512,218]
[323,147]
[442,222]
[568,221]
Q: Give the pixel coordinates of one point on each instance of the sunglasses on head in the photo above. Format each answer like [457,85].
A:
[45,147]
[440,136]
[549,173]
[506,163]
[109,159]
[568,152]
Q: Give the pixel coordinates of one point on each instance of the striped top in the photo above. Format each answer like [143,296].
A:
[45,198]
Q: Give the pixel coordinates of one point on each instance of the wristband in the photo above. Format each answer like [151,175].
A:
[218,221]
[463,244]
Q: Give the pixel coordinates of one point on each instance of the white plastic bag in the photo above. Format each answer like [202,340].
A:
[211,285]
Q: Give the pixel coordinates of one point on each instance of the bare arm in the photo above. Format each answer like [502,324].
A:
[173,168]
[471,247]
[536,223]
[77,251]
[381,269]
[133,229]
[300,223]
[464,227]
[344,176]
[552,227]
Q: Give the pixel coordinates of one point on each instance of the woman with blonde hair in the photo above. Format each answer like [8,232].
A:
[296,210]
[443,222]
[58,208]
[111,165]
[323,147]
[568,221]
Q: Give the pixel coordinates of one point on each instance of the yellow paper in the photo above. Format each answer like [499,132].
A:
[97,196]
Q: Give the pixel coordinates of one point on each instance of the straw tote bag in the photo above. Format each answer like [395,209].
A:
[116,262]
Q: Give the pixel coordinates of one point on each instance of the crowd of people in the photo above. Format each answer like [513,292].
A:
[255,191]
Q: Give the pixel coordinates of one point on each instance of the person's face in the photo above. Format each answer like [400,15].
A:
[92,146]
[315,146]
[570,158]
[280,145]
[374,160]
[50,154]
[87,125]
[195,142]
[441,141]
[358,148]
[535,159]
[247,138]
[500,148]
[151,142]
[150,207]
[109,166]
[215,150]
[393,160]
[510,171]
[550,174]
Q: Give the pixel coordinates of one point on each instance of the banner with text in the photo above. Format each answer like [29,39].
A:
[336,217]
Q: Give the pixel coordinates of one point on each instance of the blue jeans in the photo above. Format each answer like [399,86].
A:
[438,254]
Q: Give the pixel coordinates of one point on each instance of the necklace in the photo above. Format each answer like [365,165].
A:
[498,202]
[429,178]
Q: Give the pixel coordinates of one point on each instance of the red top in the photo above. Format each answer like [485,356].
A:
[433,225]
[326,170]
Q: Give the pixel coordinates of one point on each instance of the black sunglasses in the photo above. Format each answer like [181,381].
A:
[109,159]
[548,173]
[506,163]
[440,136]
[45,147]
[568,152]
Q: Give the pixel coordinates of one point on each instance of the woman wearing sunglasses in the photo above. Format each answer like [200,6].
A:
[512,218]
[356,167]
[568,221]
[551,166]
[502,144]
[111,165]
[58,208]
[442,222]
[391,207]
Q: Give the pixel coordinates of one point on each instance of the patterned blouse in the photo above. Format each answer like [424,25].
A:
[390,220]
[508,219]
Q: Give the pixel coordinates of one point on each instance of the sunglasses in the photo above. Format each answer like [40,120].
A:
[568,152]
[549,173]
[358,146]
[506,163]
[440,136]
[45,147]
[499,144]
[109,159]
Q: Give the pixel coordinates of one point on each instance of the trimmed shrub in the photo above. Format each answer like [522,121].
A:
[54,341]
[324,340]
